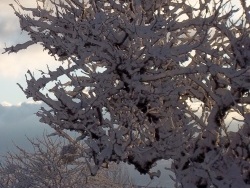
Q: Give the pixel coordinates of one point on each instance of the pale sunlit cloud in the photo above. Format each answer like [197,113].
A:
[9,22]
[15,65]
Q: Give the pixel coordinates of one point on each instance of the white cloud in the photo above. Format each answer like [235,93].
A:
[13,66]
[9,30]
[5,104]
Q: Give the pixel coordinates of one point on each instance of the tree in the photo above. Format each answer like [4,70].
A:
[50,164]
[133,73]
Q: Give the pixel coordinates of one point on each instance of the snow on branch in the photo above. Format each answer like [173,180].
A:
[136,72]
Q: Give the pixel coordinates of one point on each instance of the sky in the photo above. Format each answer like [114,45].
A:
[17,114]
[14,66]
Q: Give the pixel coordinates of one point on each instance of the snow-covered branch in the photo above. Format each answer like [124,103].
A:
[136,69]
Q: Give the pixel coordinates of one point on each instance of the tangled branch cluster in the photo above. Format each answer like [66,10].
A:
[135,71]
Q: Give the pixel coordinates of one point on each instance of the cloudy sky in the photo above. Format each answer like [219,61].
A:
[17,117]
[14,66]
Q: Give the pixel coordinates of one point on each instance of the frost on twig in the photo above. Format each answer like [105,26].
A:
[49,164]
[136,72]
